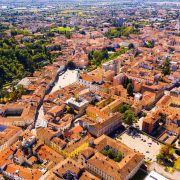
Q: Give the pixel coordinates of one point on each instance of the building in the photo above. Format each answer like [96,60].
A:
[98,122]
[79,104]
[18,114]
[105,168]
[106,126]
[8,135]
[113,65]
[175,92]
[151,122]
[118,90]
[19,157]
[168,107]
[148,99]
[90,81]
[157,89]
[12,171]
[70,169]
[57,110]
[51,138]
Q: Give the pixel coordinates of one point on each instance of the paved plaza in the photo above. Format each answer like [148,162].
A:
[143,144]
[69,77]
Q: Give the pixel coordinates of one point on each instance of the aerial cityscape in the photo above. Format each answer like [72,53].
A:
[89,89]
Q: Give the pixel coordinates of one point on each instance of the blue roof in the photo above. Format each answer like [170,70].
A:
[2,128]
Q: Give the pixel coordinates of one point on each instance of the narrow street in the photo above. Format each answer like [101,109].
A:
[40,120]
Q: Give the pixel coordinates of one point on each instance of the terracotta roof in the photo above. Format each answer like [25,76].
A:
[77,129]
[90,78]
[117,170]
[67,165]
[22,172]
[88,176]
[87,152]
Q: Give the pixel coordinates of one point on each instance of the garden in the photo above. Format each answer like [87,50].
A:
[117,156]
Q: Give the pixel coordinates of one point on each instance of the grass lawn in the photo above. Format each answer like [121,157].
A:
[62,29]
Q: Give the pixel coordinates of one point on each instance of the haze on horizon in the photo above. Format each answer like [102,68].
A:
[35,1]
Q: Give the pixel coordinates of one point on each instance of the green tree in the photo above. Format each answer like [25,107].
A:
[50,34]
[70,110]
[16,92]
[90,55]
[131,46]
[17,62]
[71,65]
[130,89]
[118,157]
[68,34]
[105,152]
[104,53]
[165,150]
[129,117]
[123,108]
[110,153]
[162,117]
[159,158]
[166,67]
[144,114]
[149,44]
[126,82]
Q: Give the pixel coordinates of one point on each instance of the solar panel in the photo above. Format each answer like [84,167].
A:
[2,128]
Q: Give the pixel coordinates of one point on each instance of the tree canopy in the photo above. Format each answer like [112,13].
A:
[123,108]
[166,67]
[128,114]
[121,31]
[71,65]
[130,89]
[129,117]
[21,58]
[116,156]
[100,56]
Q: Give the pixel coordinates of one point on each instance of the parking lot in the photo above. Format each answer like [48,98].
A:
[141,143]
